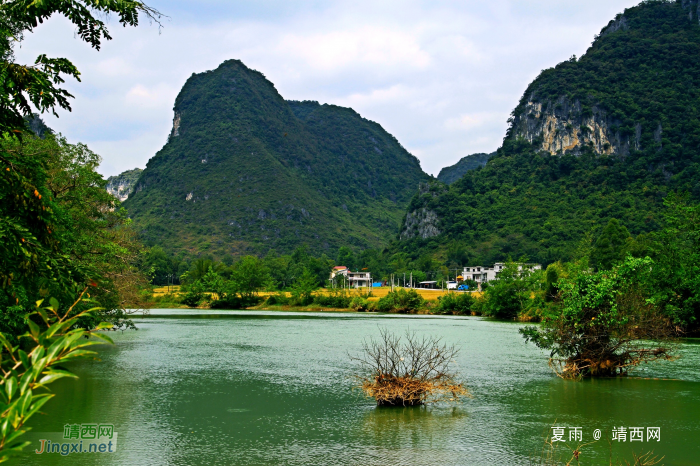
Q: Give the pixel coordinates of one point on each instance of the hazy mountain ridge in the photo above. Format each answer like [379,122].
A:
[449,175]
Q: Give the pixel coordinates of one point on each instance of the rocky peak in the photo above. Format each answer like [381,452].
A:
[122,185]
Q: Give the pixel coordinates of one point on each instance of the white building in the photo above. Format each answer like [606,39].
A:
[359,279]
[487,274]
[354,279]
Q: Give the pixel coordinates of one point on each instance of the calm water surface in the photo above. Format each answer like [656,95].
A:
[267,388]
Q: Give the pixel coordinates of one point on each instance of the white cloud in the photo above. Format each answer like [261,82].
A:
[337,50]
[472,120]
[159,96]
[441,76]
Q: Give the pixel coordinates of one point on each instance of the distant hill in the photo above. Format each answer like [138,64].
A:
[449,175]
[606,135]
[122,185]
[245,171]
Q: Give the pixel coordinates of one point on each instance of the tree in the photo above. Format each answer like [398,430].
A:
[25,86]
[346,257]
[676,253]
[606,324]
[250,276]
[303,288]
[60,229]
[510,294]
[161,267]
[611,246]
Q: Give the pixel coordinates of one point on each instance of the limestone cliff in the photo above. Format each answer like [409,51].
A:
[122,185]
[423,222]
[566,127]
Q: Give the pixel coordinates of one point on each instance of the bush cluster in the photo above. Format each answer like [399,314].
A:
[455,303]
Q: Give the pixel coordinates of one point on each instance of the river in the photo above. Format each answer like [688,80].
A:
[256,388]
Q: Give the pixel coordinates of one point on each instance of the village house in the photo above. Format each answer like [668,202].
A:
[354,279]
[487,274]
[359,279]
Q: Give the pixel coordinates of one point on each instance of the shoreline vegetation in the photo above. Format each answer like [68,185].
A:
[381,299]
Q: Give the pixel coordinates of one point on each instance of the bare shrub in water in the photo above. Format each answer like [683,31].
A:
[408,371]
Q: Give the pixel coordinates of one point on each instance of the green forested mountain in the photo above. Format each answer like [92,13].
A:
[245,171]
[604,136]
[454,172]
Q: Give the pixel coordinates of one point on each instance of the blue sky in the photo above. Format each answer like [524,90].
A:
[441,76]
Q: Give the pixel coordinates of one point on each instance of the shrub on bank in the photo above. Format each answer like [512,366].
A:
[337,299]
[454,303]
[192,298]
[359,304]
[235,302]
[279,299]
[402,301]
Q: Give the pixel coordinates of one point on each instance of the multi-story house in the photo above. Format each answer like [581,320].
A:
[487,274]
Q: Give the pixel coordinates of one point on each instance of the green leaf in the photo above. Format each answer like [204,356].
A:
[10,387]
[33,328]
[55,374]
[104,337]
[54,304]
[77,354]
[24,358]
[39,401]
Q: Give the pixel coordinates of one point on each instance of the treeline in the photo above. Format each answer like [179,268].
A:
[164,268]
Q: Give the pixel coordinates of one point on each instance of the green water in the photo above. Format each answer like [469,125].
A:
[255,388]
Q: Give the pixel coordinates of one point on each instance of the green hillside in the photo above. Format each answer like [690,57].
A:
[604,136]
[245,171]
[449,175]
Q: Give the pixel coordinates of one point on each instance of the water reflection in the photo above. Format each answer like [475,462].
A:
[415,426]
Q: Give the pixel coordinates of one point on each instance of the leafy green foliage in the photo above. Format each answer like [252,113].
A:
[675,249]
[610,247]
[303,288]
[454,303]
[510,295]
[246,172]
[52,341]
[606,324]
[401,300]
[59,231]
[232,288]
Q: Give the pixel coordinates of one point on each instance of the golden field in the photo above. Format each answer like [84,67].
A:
[429,295]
